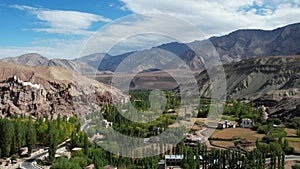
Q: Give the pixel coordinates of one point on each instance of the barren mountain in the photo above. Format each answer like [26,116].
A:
[236,46]
[74,66]
[270,81]
[244,44]
[33,59]
[93,59]
[41,91]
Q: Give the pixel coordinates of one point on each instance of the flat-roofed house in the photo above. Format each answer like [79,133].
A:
[246,123]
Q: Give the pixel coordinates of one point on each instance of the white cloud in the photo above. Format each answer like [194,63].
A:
[216,17]
[63,22]
[223,16]
[136,32]
[50,48]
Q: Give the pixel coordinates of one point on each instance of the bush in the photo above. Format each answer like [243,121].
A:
[263,129]
[14,157]
[279,133]
[298,133]
[199,123]
[82,161]
[237,138]
[263,147]
[295,122]
[296,166]
[219,139]
[63,163]
[276,121]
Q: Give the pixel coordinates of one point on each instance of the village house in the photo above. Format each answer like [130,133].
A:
[23,151]
[246,123]
[225,124]
[170,111]
[173,161]
[106,124]
[76,149]
[193,140]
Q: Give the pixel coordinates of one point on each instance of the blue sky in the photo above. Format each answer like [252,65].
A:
[60,29]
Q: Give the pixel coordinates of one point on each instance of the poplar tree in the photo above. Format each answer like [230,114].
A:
[30,136]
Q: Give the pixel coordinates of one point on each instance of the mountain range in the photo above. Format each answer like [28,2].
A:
[34,59]
[260,65]
[236,46]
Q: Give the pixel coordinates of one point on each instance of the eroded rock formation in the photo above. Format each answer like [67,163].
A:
[41,91]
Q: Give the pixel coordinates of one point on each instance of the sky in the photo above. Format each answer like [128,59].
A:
[72,28]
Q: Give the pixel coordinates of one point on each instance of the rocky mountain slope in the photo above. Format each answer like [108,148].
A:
[74,66]
[93,59]
[41,91]
[270,81]
[244,44]
[33,59]
[236,46]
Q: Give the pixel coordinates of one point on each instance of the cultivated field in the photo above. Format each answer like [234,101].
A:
[245,133]
[225,144]
[294,142]
[291,132]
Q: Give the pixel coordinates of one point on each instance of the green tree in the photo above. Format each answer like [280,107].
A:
[18,137]
[52,141]
[82,161]
[85,144]
[296,122]
[74,140]
[298,133]
[42,131]
[63,163]
[7,131]
[98,159]
[296,166]
[30,135]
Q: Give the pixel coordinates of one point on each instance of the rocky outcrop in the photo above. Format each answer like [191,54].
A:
[257,77]
[285,108]
[41,91]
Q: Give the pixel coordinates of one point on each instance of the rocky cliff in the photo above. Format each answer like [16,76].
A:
[41,91]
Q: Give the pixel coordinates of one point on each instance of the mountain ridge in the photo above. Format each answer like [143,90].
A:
[34,59]
[235,46]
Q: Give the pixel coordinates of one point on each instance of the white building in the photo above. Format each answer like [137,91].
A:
[246,123]
[225,124]
[106,123]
